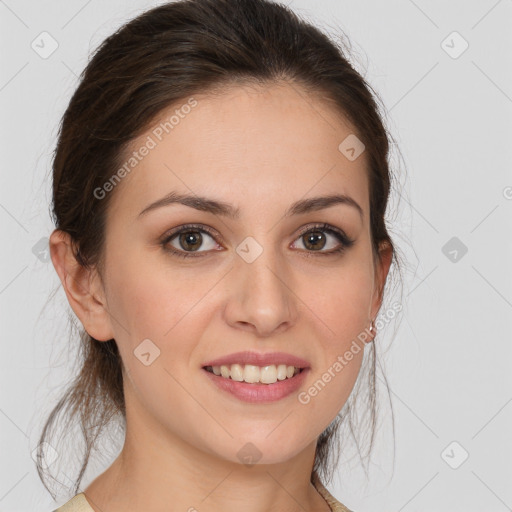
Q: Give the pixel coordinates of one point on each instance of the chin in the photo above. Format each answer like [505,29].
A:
[260,448]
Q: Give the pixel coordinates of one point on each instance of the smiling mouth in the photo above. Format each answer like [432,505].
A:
[252,374]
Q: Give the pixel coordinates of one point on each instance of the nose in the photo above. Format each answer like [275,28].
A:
[261,296]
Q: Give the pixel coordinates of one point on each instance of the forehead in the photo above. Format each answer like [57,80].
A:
[246,142]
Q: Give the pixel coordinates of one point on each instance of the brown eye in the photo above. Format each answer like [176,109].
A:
[190,240]
[314,240]
[187,241]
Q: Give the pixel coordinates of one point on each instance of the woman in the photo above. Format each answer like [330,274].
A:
[220,186]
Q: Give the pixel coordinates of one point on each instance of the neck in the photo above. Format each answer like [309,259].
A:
[157,476]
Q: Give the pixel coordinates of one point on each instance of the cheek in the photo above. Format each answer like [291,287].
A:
[341,312]
[163,326]
[170,308]
[343,303]
[148,298]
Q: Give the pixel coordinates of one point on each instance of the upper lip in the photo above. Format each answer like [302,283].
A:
[258,359]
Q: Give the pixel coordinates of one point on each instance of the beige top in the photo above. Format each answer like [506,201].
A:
[79,502]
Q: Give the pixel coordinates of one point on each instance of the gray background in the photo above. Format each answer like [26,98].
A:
[449,363]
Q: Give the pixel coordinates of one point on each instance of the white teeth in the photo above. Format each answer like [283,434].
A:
[237,372]
[268,374]
[253,374]
[281,372]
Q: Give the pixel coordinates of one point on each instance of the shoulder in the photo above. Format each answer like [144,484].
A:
[333,503]
[78,503]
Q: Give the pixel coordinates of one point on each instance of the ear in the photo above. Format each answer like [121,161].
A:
[381,273]
[83,287]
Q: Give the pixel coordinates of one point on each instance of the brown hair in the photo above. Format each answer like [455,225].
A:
[156,60]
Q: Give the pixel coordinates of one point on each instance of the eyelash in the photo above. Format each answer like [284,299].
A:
[344,240]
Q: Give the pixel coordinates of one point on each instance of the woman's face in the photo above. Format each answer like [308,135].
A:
[252,283]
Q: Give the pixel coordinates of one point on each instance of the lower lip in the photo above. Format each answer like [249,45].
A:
[259,393]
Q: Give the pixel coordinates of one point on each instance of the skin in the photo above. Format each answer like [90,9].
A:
[273,145]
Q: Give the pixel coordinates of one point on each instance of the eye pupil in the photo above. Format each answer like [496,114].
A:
[315,237]
[191,240]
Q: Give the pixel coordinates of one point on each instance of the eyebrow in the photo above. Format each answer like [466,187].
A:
[226,210]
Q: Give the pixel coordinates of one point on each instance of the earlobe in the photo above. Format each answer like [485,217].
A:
[82,286]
